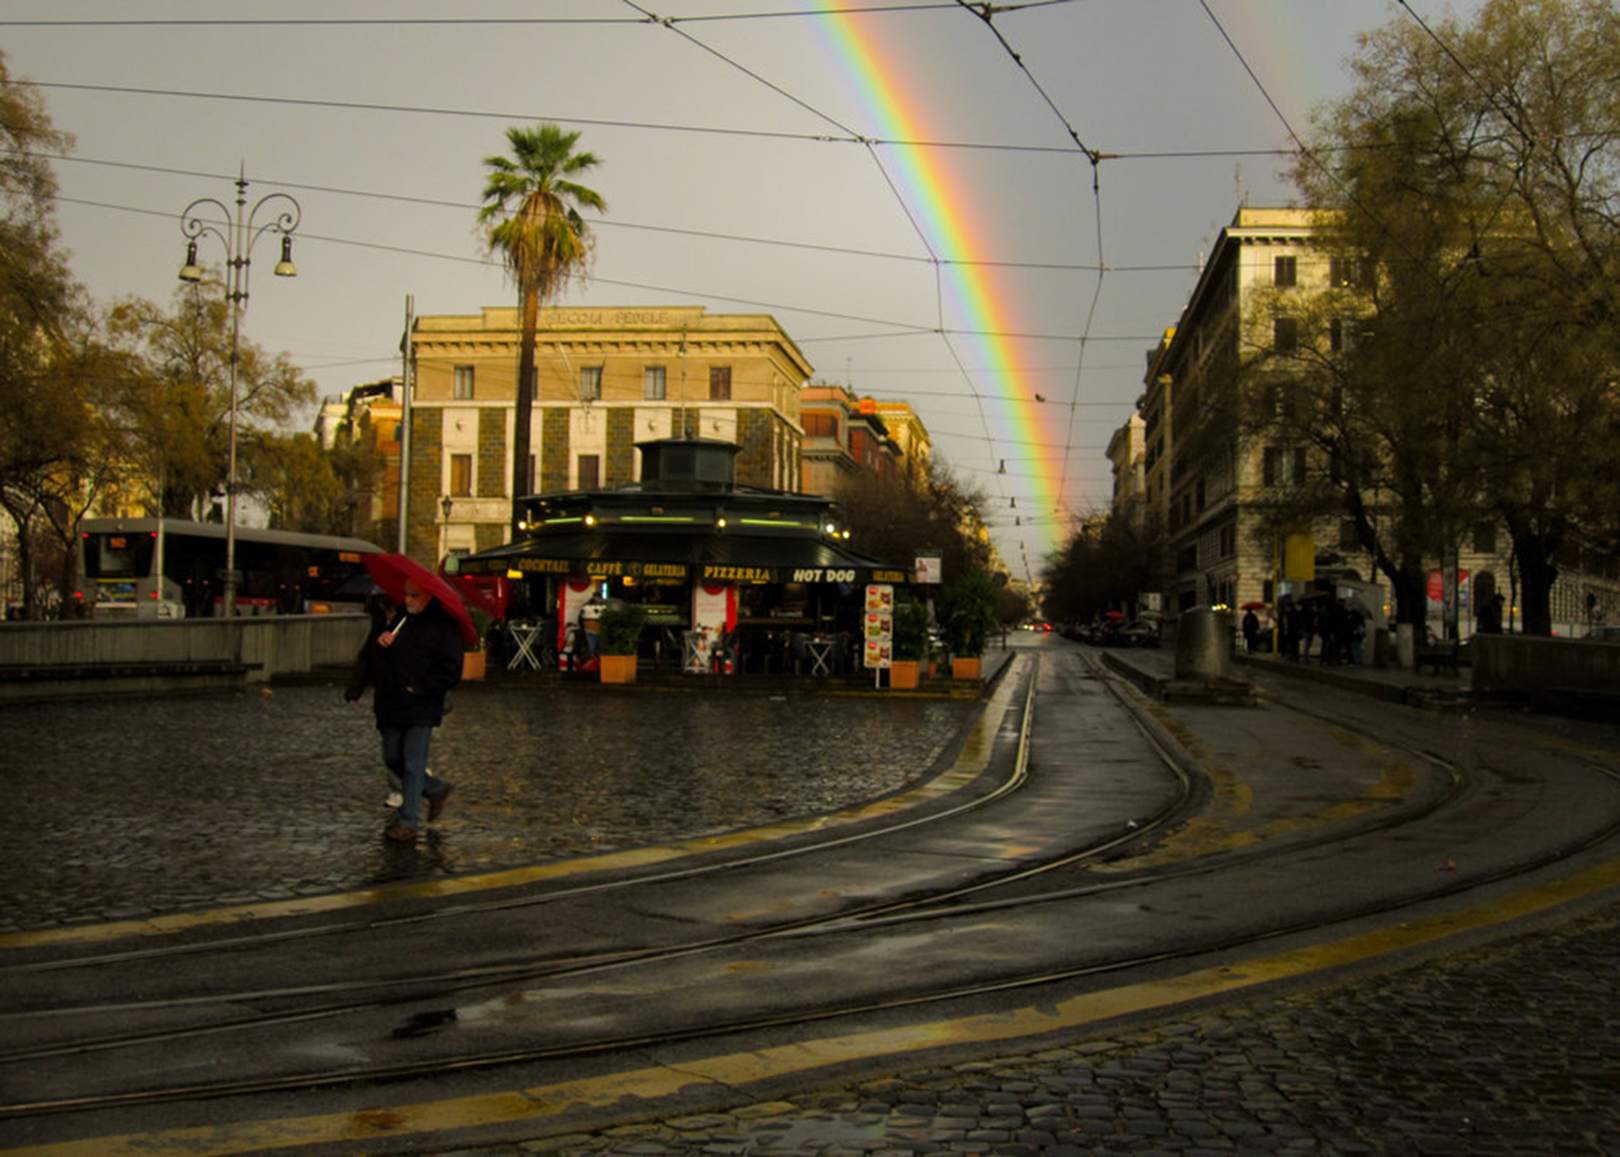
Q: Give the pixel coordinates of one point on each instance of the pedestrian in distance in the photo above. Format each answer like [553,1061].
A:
[412,665]
[1307,626]
[1251,630]
[1355,632]
[1290,630]
[1490,616]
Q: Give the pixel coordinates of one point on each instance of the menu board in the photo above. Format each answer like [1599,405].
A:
[879,619]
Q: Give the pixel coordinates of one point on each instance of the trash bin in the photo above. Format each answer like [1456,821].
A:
[1204,644]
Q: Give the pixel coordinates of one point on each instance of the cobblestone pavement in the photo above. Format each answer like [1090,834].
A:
[1509,1049]
[119,808]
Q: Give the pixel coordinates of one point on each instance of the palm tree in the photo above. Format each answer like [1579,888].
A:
[531,217]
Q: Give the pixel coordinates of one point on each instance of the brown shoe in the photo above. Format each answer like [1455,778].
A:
[401,834]
[436,806]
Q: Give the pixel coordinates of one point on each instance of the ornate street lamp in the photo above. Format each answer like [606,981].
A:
[239,231]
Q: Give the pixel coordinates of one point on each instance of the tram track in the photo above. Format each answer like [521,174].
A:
[439,986]
[946,904]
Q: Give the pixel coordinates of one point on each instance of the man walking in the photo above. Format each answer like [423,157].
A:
[412,665]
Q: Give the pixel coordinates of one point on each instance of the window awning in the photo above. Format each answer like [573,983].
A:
[652,557]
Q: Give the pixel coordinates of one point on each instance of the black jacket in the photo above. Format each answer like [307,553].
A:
[410,678]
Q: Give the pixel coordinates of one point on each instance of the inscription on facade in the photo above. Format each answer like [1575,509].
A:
[822,574]
[738,574]
[621,318]
[604,568]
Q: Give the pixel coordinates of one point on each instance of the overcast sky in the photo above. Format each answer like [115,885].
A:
[911,191]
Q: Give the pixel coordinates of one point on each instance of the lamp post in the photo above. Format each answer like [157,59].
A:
[446,504]
[239,231]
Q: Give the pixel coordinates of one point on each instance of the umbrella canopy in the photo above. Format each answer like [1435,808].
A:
[393,571]
[1115,614]
[1253,607]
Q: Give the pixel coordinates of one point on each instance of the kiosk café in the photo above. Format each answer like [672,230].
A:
[699,552]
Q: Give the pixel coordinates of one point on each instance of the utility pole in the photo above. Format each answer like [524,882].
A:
[407,371]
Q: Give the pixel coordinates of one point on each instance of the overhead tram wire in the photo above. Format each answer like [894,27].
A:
[1305,151]
[490,21]
[870,144]
[897,328]
[610,223]
[987,13]
[871,148]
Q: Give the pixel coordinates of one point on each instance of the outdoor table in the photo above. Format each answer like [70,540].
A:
[694,652]
[820,652]
[527,636]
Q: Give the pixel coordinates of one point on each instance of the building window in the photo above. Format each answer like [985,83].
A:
[1345,273]
[464,383]
[590,471]
[819,425]
[590,383]
[654,383]
[1349,539]
[1285,272]
[719,383]
[1283,466]
[460,475]
[1285,334]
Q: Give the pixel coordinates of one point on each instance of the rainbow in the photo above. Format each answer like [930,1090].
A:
[974,302]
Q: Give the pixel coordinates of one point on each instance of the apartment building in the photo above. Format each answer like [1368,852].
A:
[1205,481]
[606,379]
[845,435]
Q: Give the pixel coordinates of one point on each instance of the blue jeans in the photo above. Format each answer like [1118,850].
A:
[405,752]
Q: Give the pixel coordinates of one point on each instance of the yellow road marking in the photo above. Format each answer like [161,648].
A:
[734,1071]
[1218,830]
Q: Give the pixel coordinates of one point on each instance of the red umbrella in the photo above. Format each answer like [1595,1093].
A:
[393,571]
[1253,607]
[1116,614]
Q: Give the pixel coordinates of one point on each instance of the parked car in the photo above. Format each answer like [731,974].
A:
[1609,633]
[1138,634]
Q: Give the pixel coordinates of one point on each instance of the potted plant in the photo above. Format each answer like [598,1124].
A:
[474,661]
[909,644]
[968,616]
[618,637]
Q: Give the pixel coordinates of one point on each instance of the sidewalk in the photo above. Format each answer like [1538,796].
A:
[1393,684]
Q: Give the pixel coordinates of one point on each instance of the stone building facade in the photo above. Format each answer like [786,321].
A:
[845,436]
[1203,484]
[606,379]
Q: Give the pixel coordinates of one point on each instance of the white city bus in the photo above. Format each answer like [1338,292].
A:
[168,568]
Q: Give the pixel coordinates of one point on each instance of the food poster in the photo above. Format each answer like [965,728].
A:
[572,594]
[714,612]
[879,624]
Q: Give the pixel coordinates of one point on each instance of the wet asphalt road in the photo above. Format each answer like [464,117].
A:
[269,794]
[1511,1048]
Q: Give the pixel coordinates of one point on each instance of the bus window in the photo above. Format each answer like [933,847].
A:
[119,556]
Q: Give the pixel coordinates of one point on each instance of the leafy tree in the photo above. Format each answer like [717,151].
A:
[531,217]
[897,514]
[1105,566]
[293,477]
[50,441]
[1475,169]
[179,406]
